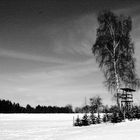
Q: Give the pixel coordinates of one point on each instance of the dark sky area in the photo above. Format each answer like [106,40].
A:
[45,49]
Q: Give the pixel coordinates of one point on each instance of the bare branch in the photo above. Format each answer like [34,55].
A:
[109,50]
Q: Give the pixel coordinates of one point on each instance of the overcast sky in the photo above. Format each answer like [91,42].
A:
[45,50]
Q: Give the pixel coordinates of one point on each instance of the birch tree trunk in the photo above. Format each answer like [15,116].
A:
[116,74]
[117,84]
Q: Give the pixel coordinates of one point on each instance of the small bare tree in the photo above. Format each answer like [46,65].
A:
[95,104]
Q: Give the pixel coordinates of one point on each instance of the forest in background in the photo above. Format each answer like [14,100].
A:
[7,106]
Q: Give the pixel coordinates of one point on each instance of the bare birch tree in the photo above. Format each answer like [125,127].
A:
[114,51]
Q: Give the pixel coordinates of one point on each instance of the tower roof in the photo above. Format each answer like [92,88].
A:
[128,89]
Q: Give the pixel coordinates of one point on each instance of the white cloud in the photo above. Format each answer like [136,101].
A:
[33,57]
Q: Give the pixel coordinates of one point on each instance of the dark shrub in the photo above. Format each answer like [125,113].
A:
[85,120]
[136,112]
[106,118]
[82,122]
[129,115]
[98,119]
[77,122]
[117,117]
[92,119]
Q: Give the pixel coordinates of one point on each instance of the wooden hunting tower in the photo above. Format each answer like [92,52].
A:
[127,98]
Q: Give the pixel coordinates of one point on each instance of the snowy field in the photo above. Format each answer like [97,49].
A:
[59,127]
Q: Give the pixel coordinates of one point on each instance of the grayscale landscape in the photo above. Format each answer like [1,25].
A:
[69,70]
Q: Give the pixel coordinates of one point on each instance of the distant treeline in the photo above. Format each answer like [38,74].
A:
[7,106]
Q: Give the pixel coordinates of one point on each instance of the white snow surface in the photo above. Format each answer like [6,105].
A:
[60,127]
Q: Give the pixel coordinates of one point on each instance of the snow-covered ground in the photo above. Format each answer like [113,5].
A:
[59,127]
